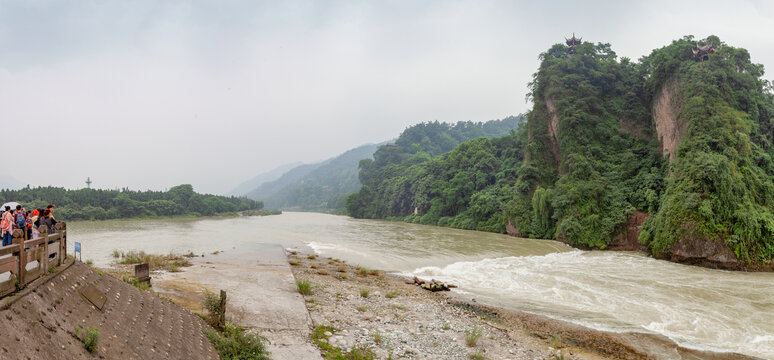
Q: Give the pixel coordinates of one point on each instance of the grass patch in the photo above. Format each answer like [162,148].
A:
[88,336]
[312,257]
[314,266]
[341,268]
[362,308]
[330,352]
[169,262]
[398,307]
[116,254]
[391,294]
[304,286]
[294,263]
[446,327]
[477,355]
[323,272]
[378,338]
[143,286]
[89,262]
[216,252]
[236,343]
[361,271]
[365,293]
[472,335]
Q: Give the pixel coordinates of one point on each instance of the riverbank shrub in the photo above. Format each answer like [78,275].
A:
[472,335]
[169,262]
[304,286]
[88,336]
[236,343]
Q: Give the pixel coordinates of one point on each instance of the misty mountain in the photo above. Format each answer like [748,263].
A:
[271,175]
[9,182]
[319,187]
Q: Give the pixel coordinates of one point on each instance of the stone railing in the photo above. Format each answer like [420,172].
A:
[31,259]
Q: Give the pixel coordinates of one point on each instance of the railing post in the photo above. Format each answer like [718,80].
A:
[18,238]
[61,229]
[222,317]
[44,257]
[43,235]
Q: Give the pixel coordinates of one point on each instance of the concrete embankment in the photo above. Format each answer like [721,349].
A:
[40,321]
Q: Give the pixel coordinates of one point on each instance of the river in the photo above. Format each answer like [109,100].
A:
[699,308]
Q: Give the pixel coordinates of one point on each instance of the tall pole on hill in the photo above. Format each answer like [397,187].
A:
[88,183]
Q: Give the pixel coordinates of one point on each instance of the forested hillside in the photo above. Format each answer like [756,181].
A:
[96,204]
[449,174]
[674,151]
[326,187]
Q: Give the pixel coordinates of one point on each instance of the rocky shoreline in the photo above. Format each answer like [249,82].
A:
[394,318]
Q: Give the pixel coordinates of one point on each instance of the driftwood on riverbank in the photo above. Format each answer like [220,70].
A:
[433,285]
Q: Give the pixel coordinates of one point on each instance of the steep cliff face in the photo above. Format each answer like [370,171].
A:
[553,129]
[669,127]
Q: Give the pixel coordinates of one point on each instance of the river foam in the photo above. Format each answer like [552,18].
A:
[698,308]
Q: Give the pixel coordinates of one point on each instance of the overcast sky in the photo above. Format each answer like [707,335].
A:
[151,94]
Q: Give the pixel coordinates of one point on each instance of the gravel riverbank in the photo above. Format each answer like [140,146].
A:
[382,312]
[393,319]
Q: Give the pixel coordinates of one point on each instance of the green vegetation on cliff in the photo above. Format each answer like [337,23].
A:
[449,179]
[687,141]
[96,204]
[720,187]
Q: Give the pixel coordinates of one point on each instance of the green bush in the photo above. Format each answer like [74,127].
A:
[304,286]
[235,343]
[88,336]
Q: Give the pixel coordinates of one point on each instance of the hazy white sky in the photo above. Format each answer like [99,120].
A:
[151,94]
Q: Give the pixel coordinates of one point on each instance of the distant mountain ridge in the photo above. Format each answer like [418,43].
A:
[271,175]
[313,186]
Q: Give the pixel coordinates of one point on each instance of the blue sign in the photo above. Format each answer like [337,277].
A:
[77,247]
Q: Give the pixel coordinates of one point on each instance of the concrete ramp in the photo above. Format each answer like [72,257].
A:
[133,324]
[262,295]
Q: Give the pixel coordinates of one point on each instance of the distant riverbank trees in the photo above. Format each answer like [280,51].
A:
[98,204]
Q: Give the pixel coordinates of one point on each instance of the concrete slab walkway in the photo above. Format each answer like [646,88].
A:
[262,295]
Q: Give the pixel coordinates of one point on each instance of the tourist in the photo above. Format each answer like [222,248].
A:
[47,222]
[29,225]
[50,208]
[6,224]
[20,221]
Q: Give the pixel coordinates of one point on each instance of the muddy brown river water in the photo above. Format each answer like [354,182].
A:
[614,291]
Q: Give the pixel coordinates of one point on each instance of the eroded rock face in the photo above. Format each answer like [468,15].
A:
[628,240]
[553,129]
[510,229]
[669,127]
[704,252]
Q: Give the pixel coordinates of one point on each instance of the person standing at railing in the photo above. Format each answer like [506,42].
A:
[6,224]
[46,222]
[20,220]
[29,226]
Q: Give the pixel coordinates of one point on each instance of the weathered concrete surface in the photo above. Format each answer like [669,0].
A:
[40,322]
[262,295]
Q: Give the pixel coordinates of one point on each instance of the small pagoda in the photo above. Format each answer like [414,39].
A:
[701,53]
[571,42]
